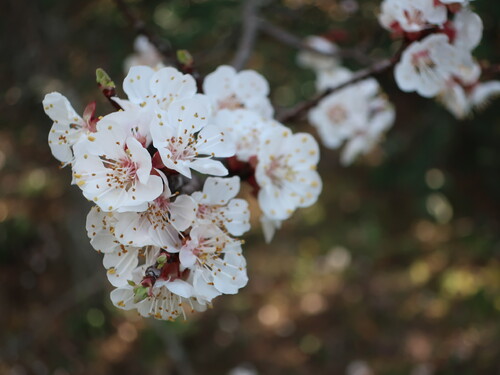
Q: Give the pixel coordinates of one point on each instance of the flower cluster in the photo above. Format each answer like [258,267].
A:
[280,165]
[356,116]
[170,240]
[438,61]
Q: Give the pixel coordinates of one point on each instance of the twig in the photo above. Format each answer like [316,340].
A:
[250,30]
[375,69]
[489,69]
[291,40]
[299,110]
[140,28]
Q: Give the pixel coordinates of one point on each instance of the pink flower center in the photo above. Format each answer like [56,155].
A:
[182,148]
[422,60]
[121,174]
[337,114]
[279,171]
[231,102]
[158,213]
[415,17]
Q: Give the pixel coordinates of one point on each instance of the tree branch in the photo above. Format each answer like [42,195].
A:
[249,34]
[489,69]
[293,41]
[301,108]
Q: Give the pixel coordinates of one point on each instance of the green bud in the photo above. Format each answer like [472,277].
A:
[184,57]
[103,79]
[140,293]
[131,283]
[161,260]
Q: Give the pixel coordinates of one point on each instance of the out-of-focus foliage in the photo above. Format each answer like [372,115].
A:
[395,271]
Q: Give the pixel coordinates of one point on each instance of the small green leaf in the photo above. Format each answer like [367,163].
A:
[140,293]
[184,57]
[161,260]
[103,79]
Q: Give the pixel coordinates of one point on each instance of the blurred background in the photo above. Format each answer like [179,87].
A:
[396,270]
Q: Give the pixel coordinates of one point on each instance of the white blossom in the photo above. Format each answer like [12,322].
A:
[468,28]
[113,169]
[120,264]
[100,229]
[166,296]
[342,113]
[228,89]
[217,204]
[119,260]
[462,101]
[68,128]
[381,118]
[155,90]
[411,15]
[318,61]
[160,224]
[357,115]
[145,54]
[242,129]
[135,121]
[426,66]
[215,260]
[185,140]
[286,172]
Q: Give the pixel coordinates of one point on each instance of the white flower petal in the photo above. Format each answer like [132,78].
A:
[120,265]
[169,85]
[220,190]
[136,84]
[182,212]
[181,288]
[209,166]
[219,84]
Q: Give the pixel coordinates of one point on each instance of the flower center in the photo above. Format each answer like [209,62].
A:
[231,102]
[337,114]
[279,171]
[121,173]
[415,17]
[182,148]
[158,213]
[422,60]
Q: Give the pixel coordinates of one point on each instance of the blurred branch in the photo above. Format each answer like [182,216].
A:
[140,28]
[489,69]
[375,69]
[249,34]
[300,109]
[294,41]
